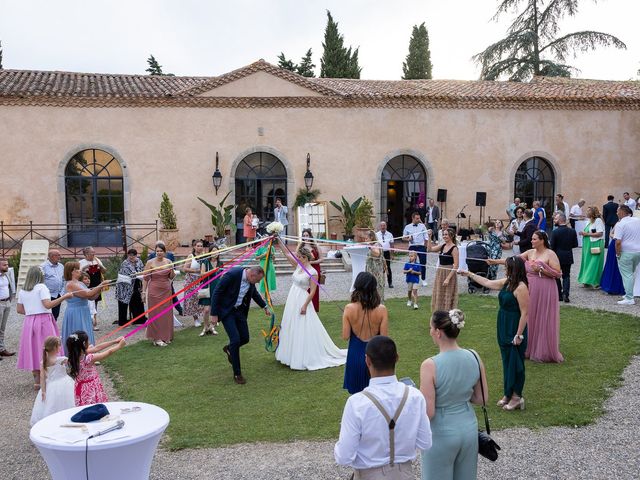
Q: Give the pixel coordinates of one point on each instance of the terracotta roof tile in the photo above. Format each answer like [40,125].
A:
[24,87]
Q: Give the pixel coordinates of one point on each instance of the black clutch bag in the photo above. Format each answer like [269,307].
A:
[487,447]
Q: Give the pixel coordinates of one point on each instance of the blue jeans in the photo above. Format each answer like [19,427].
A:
[235,324]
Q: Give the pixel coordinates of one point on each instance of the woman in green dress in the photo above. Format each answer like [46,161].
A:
[592,249]
[206,265]
[450,383]
[269,270]
[511,327]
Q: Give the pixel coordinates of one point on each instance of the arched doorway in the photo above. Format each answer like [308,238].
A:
[536,180]
[94,193]
[403,185]
[260,178]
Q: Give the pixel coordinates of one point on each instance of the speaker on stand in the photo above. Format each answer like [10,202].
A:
[442,198]
[481,201]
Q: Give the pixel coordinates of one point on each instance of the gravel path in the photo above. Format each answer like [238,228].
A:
[607,449]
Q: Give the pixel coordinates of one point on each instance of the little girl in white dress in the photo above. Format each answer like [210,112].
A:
[56,392]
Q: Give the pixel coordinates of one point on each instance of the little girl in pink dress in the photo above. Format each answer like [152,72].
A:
[82,366]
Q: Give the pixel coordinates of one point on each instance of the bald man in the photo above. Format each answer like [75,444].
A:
[53,270]
[386,240]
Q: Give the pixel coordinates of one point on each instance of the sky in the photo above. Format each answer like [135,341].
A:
[209,38]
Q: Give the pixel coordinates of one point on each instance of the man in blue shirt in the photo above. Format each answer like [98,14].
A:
[53,278]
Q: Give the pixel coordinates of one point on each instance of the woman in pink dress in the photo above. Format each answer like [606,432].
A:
[543,267]
[158,274]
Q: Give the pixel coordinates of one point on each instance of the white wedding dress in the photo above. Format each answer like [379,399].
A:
[304,343]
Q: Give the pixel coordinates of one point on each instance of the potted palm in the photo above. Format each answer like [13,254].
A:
[347,215]
[169,230]
[305,196]
[221,217]
[363,220]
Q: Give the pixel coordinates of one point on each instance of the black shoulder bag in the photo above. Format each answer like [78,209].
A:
[487,447]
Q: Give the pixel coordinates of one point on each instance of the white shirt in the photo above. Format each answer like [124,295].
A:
[576,212]
[385,239]
[32,301]
[627,230]
[631,203]
[598,225]
[244,288]
[417,233]
[5,293]
[364,433]
[430,215]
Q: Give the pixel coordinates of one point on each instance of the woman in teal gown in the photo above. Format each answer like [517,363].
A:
[511,328]
[450,382]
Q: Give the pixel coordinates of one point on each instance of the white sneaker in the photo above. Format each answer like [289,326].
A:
[627,302]
[415,306]
[197,323]
[409,303]
[424,283]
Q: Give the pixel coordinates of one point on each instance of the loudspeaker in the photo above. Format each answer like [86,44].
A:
[442,195]
[481,199]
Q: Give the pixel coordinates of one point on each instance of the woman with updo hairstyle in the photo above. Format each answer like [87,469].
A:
[450,383]
[303,343]
[363,318]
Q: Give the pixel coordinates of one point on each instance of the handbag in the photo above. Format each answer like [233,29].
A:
[595,250]
[487,447]
[322,278]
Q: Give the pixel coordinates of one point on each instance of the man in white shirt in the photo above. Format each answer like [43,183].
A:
[280,214]
[53,271]
[629,202]
[560,201]
[576,213]
[386,240]
[377,445]
[627,235]
[416,234]
[7,293]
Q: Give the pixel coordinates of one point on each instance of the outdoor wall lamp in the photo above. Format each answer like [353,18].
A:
[308,176]
[217,176]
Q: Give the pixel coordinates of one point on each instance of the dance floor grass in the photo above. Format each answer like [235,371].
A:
[192,380]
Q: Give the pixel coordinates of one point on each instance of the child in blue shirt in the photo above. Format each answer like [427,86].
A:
[412,273]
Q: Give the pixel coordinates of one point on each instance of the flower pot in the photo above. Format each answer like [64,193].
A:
[361,234]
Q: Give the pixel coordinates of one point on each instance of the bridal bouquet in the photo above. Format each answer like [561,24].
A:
[275,228]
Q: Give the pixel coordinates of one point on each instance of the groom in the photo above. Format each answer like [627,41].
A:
[230,303]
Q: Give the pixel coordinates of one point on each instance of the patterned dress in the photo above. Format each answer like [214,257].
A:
[88,387]
[495,251]
[190,305]
[375,266]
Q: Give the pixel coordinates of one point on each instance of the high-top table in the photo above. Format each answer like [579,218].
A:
[122,454]
[358,254]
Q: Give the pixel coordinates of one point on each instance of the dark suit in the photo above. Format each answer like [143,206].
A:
[610,217]
[433,226]
[234,319]
[563,240]
[525,235]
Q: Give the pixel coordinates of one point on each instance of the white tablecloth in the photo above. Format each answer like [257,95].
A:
[358,255]
[580,224]
[462,256]
[122,454]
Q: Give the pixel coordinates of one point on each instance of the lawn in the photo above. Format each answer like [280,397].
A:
[192,380]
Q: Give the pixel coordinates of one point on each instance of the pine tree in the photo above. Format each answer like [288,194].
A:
[154,67]
[418,62]
[337,61]
[286,64]
[0,55]
[532,46]
[306,66]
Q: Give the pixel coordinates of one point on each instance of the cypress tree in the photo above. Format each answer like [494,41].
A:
[306,66]
[418,62]
[337,61]
[154,67]
[286,64]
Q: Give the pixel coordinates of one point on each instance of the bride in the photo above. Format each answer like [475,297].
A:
[304,343]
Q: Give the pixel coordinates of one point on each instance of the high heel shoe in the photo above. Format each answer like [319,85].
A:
[502,402]
[160,343]
[518,406]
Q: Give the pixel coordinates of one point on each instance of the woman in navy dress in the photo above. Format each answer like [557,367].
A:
[363,318]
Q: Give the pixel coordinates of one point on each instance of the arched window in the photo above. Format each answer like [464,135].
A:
[536,180]
[403,185]
[260,178]
[94,197]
